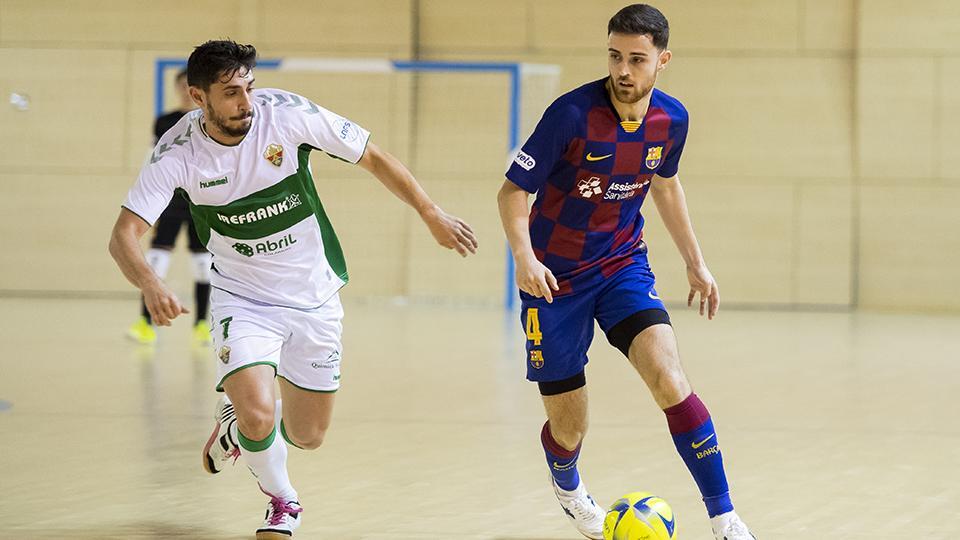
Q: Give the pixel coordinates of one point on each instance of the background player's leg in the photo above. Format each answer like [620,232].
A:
[251,392]
[306,415]
[201,283]
[142,331]
[653,352]
[158,257]
[200,259]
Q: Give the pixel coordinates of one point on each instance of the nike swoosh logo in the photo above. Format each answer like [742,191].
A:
[653,296]
[701,443]
[564,467]
[591,157]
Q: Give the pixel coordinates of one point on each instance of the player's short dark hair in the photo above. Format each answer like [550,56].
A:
[641,19]
[219,61]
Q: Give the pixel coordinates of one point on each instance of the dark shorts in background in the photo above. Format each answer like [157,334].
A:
[168,226]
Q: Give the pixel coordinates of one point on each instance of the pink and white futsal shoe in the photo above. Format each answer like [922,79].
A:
[282,518]
[220,447]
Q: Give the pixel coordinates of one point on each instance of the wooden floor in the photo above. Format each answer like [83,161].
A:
[833,426]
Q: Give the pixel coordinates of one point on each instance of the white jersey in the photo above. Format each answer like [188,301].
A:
[255,206]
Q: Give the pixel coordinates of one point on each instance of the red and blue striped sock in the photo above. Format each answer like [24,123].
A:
[696,441]
[562,462]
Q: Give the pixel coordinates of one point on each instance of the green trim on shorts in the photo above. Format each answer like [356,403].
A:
[308,389]
[283,433]
[220,384]
[256,446]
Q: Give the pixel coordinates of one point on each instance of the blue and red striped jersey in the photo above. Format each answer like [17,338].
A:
[590,173]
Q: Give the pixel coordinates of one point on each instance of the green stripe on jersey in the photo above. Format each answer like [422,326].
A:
[331,244]
[260,214]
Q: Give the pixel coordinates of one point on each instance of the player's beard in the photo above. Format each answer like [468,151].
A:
[246,122]
[632,95]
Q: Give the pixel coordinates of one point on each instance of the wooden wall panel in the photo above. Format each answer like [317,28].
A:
[888,26]
[910,248]
[358,26]
[561,26]
[822,262]
[826,25]
[947,119]
[75,117]
[116,23]
[490,25]
[439,273]
[754,117]
[753,26]
[463,122]
[56,228]
[746,233]
[897,107]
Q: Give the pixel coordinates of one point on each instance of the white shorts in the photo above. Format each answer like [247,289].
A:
[303,346]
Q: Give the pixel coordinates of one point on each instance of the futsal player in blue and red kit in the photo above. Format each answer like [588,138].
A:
[594,157]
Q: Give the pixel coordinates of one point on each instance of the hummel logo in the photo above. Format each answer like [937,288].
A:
[591,157]
[701,443]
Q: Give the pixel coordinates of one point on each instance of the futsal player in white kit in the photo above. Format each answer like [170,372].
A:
[242,161]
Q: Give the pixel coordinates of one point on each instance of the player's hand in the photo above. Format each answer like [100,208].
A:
[163,305]
[450,232]
[702,283]
[536,279]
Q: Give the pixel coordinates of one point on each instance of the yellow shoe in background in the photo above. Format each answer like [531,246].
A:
[142,332]
[201,333]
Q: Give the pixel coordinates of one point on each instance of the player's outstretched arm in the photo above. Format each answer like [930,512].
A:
[532,276]
[672,206]
[450,231]
[162,304]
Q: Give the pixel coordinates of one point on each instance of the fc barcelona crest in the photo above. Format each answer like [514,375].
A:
[654,155]
[536,359]
[274,154]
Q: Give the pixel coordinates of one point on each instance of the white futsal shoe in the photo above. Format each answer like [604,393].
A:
[729,526]
[220,447]
[282,518]
[581,509]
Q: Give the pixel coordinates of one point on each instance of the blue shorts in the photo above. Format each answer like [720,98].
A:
[559,334]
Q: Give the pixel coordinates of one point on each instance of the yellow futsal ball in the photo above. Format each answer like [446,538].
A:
[640,516]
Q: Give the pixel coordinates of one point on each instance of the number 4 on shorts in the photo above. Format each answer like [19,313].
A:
[225,323]
[533,326]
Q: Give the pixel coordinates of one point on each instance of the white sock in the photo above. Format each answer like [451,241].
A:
[269,465]
[200,262]
[159,261]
